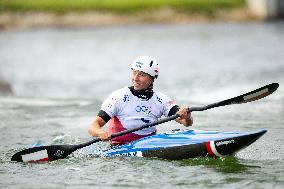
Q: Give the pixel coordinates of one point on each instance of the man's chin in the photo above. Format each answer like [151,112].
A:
[137,88]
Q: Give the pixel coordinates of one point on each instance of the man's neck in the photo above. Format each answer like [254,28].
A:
[145,94]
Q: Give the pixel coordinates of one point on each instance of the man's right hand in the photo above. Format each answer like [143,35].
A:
[96,130]
[104,135]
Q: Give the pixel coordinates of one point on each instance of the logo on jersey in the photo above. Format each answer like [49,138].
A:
[143,109]
[159,99]
[145,120]
[110,102]
[126,98]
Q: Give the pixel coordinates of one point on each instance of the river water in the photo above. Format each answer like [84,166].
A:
[59,78]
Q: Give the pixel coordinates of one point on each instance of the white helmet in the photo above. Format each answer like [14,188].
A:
[146,64]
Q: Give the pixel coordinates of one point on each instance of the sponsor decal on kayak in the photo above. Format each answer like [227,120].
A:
[226,142]
[128,154]
[211,146]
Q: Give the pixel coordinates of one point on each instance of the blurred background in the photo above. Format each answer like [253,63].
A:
[62,48]
[59,59]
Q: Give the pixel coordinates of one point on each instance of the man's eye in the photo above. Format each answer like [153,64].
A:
[142,74]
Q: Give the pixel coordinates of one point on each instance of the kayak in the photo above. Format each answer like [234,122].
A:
[184,144]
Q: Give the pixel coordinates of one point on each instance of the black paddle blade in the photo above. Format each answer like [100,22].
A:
[248,97]
[253,95]
[259,93]
[43,153]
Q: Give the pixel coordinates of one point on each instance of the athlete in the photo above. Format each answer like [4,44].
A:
[131,107]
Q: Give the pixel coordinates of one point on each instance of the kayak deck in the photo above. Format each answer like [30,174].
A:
[186,144]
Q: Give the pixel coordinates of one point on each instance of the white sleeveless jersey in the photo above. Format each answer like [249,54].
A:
[133,112]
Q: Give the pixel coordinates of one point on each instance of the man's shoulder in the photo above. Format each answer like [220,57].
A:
[116,96]
[163,99]
[160,95]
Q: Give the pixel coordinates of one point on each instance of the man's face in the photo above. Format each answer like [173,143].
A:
[140,80]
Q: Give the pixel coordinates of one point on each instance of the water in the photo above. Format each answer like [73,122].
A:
[60,77]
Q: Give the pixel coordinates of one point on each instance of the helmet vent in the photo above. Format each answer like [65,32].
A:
[151,63]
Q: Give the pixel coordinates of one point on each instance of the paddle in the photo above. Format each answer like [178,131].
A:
[54,152]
